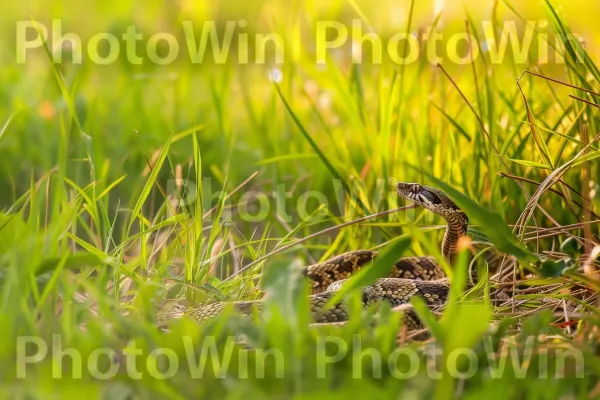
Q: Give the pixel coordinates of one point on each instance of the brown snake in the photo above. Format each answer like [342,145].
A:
[411,276]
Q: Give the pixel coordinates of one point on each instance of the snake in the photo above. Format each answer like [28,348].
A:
[410,276]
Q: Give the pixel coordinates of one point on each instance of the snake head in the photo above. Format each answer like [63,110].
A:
[427,197]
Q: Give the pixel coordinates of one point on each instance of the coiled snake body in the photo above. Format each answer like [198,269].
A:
[411,276]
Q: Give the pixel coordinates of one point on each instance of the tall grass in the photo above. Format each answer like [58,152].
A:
[100,243]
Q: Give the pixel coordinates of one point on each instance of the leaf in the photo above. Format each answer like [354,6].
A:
[427,318]
[287,292]
[380,268]
[11,228]
[137,208]
[207,287]
[6,125]
[587,157]
[571,247]
[64,89]
[562,135]
[287,157]
[76,260]
[490,222]
[532,164]
[553,269]
[453,122]
[591,282]
[465,326]
[459,279]
[318,150]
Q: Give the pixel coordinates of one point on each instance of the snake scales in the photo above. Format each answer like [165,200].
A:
[411,276]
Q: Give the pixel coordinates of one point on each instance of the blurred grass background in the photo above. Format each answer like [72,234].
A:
[93,246]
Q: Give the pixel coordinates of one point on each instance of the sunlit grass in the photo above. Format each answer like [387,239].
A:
[100,243]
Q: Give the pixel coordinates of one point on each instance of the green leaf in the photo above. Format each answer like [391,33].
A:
[64,89]
[287,292]
[427,318]
[532,164]
[465,326]
[553,269]
[208,288]
[318,150]
[380,268]
[287,157]
[490,222]
[587,157]
[137,208]
[11,228]
[460,129]
[7,124]
[76,260]
[572,247]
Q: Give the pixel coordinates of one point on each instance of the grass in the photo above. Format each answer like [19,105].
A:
[132,193]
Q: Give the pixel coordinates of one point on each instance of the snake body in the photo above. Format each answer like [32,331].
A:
[411,276]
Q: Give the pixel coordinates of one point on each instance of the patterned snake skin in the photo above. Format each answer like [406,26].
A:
[412,276]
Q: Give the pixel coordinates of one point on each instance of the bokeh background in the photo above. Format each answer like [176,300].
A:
[94,244]
[128,111]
